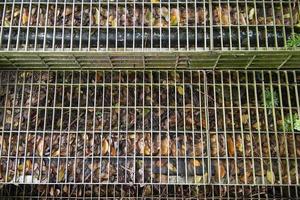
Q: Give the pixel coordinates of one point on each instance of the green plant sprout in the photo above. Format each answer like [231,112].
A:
[293,41]
[271,99]
[291,122]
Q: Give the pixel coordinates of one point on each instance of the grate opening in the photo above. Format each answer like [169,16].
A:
[167,133]
[137,25]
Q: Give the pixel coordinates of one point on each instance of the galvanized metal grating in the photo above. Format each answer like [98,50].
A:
[148,133]
[144,25]
[150,60]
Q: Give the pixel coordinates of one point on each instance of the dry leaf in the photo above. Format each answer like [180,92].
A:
[239,144]
[61,174]
[155,1]
[97,16]
[245,118]
[147,190]
[68,11]
[180,90]
[198,179]
[164,147]
[141,146]
[164,178]
[55,153]
[113,151]
[25,16]
[147,151]
[174,17]
[256,125]
[28,165]
[251,14]
[221,171]
[40,147]
[104,148]
[171,167]
[65,189]
[230,146]
[195,163]
[20,167]
[270,176]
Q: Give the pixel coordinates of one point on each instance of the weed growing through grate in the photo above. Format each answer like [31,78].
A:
[271,99]
[291,122]
[293,41]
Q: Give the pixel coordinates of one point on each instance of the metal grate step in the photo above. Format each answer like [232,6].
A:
[150,133]
[127,26]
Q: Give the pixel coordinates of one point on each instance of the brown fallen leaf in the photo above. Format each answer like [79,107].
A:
[230,146]
[104,147]
[256,125]
[220,171]
[113,151]
[55,153]
[195,163]
[164,178]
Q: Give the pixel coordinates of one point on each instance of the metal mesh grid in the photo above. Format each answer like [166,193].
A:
[168,133]
[148,60]
[139,25]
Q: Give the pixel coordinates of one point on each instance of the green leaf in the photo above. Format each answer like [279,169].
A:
[296,123]
[293,41]
[271,99]
[291,122]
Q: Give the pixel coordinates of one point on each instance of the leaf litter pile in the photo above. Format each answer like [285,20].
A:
[144,127]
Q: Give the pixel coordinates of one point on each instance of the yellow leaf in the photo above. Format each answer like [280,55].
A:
[270,177]
[155,1]
[28,165]
[147,151]
[164,147]
[180,90]
[174,17]
[20,167]
[25,16]
[61,174]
